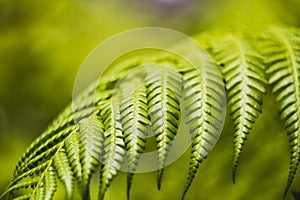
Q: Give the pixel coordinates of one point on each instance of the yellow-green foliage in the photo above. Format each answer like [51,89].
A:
[104,123]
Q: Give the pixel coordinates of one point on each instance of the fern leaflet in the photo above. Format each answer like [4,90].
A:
[91,138]
[282,51]
[164,90]
[243,70]
[203,99]
[134,117]
[113,145]
[64,172]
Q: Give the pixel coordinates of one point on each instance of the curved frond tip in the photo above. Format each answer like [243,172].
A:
[204,99]
[243,70]
[282,51]
[164,87]
[113,147]
[134,120]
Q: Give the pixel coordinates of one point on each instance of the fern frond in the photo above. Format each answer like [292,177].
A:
[113,144]
[63,122]
[164,90]
[72,146]
[35,150]
[46,187]
[33,171]
[243,70]
[42,153]
[106,126]
[64,172]
[23,184]
[42,180]
[204,101]
[45,153]
[50,183]
[134,118]
[282,51]
[91,136]
[57,131]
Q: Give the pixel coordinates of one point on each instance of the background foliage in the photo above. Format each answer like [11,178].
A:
[42,45]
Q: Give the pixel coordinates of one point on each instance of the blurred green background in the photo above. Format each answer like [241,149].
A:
[43,43]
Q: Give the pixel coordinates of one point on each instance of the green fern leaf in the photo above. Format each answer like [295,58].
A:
[91,138]
[243,70]
[113,144]
[23,184]
[108,122]
[42,180]
[46,187]
[134,118]
[50,184]
[64,121]
[34,170]
[203,99]
[72,146]
[43,153]
[31,153]
[282,51]
[64,172]
[164,90]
